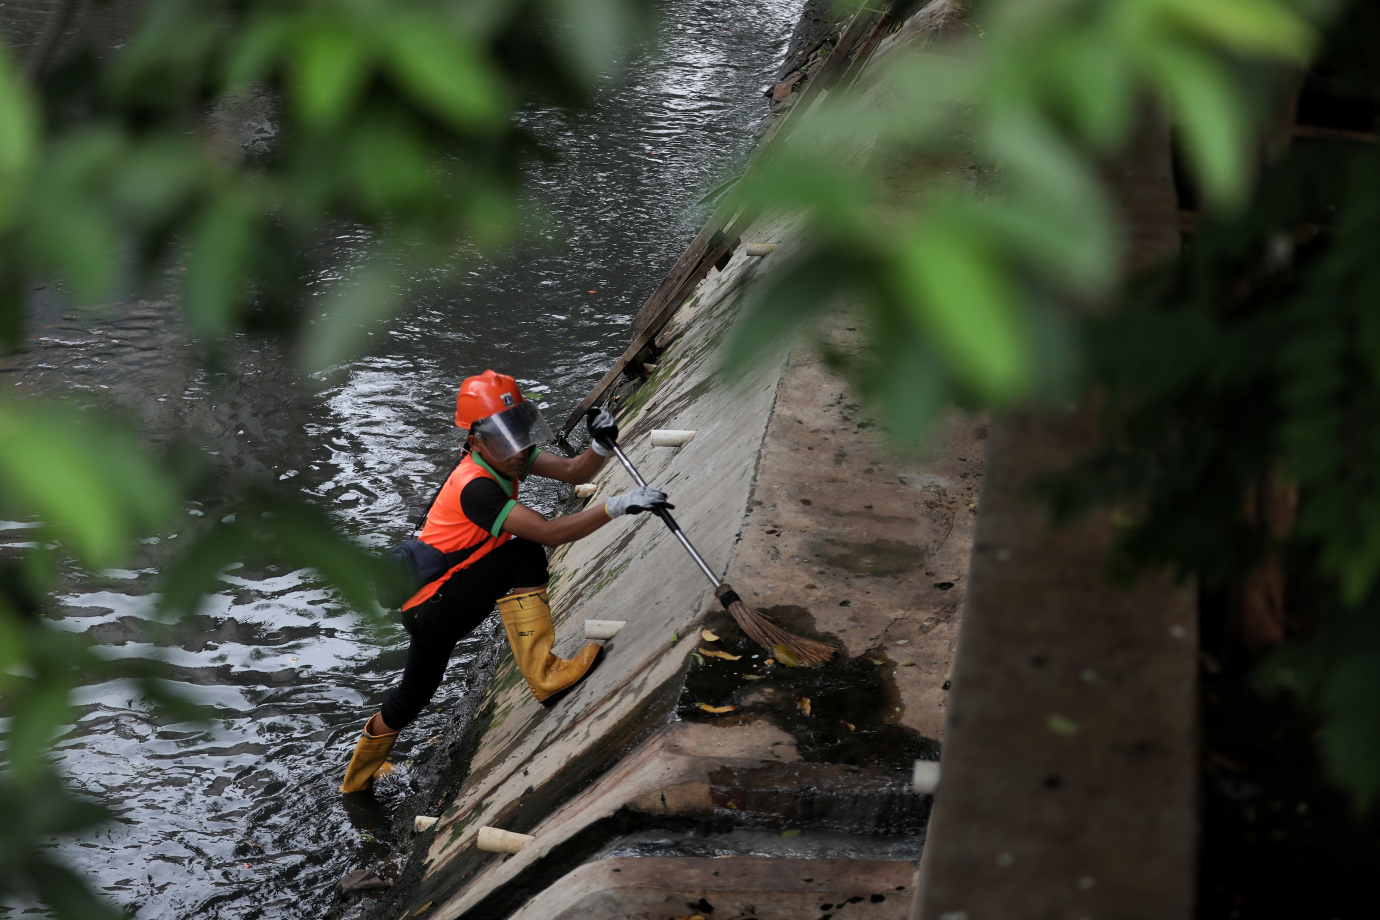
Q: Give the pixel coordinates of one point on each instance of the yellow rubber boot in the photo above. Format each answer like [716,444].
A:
[370,760]
[527,620]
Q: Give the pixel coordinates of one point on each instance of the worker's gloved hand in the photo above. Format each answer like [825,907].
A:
[603,430]
[643,498]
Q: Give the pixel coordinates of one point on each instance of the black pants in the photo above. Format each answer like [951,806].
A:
[452,613]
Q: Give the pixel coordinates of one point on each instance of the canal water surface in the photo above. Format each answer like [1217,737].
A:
[241,818]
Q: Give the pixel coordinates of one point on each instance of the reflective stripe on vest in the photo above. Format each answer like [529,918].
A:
[449,530]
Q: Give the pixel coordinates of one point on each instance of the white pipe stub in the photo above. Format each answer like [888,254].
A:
[422,822]
[670,437]
[603,629]
[497,840]
[585,490]
[760,249]
[926,777]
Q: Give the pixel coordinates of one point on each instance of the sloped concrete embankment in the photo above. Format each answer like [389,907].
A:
[679,748]
[787,488]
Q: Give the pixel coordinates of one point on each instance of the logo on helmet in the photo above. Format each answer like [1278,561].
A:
[507,399]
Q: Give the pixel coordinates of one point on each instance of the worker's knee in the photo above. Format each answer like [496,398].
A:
[528,563]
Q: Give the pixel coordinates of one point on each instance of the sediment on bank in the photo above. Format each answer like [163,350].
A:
[687,741]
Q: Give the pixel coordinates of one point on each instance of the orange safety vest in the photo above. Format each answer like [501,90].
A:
[449,530]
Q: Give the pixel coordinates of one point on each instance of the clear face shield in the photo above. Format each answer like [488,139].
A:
[512,431]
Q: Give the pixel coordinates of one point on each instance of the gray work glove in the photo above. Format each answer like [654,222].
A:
[603,430]
[643,498]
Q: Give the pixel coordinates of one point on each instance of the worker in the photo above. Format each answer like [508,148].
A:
[478,510]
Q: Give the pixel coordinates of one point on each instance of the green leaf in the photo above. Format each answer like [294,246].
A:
[156,179]
[590,33]
[18,137]
[1062,725]
[445,72]
[960,297]
[906,381]
[839,202]
[358,305]
[1052,211]
[330,65]
[163,61]
[255,49]
[68,893]
[44,808]
[1254,27]
[391,168]
[294,533]
[1212,116]
[1337,673]
[91,481]
[40,708]
[1091,80]
[781,304]
[305,534]
[14,645]
[73,234]
[218,269]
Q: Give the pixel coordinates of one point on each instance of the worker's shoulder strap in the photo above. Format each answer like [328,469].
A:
[421,518]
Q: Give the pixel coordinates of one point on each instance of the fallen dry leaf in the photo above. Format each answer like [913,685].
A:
[1062,726]
[804,703]
[707,708]
[715,653]
[787,657]
[708,635]
[753,677]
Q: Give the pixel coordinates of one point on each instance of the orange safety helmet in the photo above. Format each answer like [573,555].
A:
[492,407]
[487,394]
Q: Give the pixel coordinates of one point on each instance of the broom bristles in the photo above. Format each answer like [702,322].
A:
[764,632]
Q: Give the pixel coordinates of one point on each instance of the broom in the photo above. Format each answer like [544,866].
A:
[759,628]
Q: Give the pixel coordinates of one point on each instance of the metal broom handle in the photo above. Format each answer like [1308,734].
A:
[666,516]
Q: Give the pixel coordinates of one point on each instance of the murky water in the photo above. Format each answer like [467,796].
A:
[241,818]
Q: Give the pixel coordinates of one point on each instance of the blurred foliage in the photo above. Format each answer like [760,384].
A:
[1257,372]
[980,214]
[978,239]
[393,117]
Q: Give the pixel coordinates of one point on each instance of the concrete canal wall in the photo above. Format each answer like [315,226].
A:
[636,794]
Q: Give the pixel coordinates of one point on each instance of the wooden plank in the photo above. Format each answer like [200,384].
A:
[649,332]
[704,241]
